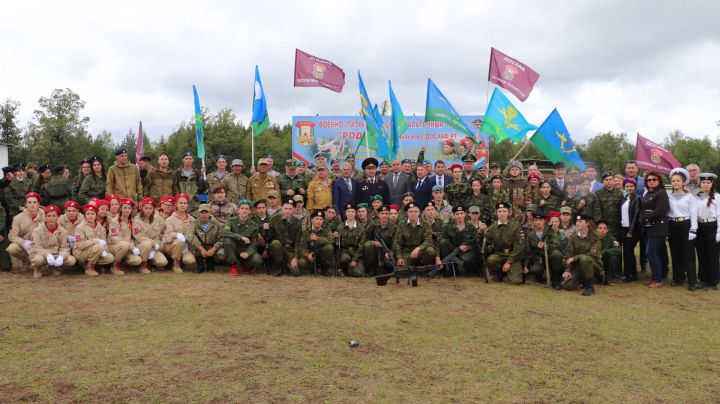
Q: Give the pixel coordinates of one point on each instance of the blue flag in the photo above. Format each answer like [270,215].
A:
[503,121]
[372,130]
[439,109]
[260,118]
[553,140]
[383,142]
[199,130]
[399,123]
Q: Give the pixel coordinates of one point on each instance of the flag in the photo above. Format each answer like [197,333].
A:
[311,71]
[398,123]
[651,156]
[260,119]
[371,125]
[511,74]
[199,131]
[139,147]
[439,109]
[383,143]
[553,140]
[503,121]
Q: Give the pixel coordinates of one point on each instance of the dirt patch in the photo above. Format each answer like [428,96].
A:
[11,392]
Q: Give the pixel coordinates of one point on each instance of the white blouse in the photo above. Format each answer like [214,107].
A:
[684,205]
[711,212]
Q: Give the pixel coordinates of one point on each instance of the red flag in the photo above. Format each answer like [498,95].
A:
[311,71]
[651,156]
[139,147]
[511,74]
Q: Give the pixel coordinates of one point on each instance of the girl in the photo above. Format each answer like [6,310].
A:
[630,229]
[215,178]
[82,174]
[458,191]
[583,257]
[545,201]
[352,238]
[682,228]
[654,210]
[147,232]
[533,188]
[569,197]
[93,184]
[120,242]
[362,214]
[708,233]
[480,199]
[103,208]
[90,242]
[587,203]
[114,207]
[178,227]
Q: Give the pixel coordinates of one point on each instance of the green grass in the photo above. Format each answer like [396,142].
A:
[187,338]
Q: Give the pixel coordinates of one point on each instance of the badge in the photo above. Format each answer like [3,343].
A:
[137,230]
[78,238]
[113,231]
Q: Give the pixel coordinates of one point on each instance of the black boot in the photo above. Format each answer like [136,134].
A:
[209,265]
[588,290]
[199,264]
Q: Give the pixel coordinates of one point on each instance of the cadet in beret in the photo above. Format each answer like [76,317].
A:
[459,233]
[315,246]
[377,262]
[583,257]
[504,245]
[351,235]
[609,200]
[413,244]
[539,238]
[123,178]
[459,190]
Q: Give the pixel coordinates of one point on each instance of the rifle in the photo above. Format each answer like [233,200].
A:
[383,246]
[338,240]
[266,252]
[483,250]
[452,260]
[409,271]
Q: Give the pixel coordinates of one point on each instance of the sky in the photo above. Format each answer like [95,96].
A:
[621,66]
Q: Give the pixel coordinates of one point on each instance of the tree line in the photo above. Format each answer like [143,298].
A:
[58,133]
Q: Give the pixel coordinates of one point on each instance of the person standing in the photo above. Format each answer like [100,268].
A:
[216,177]
[93,185]
[654,211]
[84,171]
[422,187]
[398,183]
[236,184]
[708,234]
[58,190]
[344,189]
[609,199]
[189,181]
[557,183]
[371,185]
[261,183]
[319,194]
[682,228]
[630,229]
[161,179]
[123,178]
[290,182]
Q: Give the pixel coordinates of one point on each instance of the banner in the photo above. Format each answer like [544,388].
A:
[511,74]
[651,156]
[338,136]
[311,71]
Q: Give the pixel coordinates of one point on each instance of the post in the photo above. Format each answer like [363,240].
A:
[252,147]
[521,149]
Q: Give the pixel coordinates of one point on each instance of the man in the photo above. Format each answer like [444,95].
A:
[422,187]
[693,185]
[413,243]
[319,194]
[371,185]
[315,246]
[15,192]
[145,169]
[236,183]
[515,186]
[503,246]
[123,178]
[272,204]
[384,169]
[320,159]
[632,171]
[441,178]
[50,246]
[610,201]
[495,169]
[58,190]
[591,175]
[557,183]
[468,162]
[539,239]
[378,262]
[290,182]
[357,174]
[583,258]
[271,163]
[301,166]
[345,188]
[335,169]
[261,183]
[459,233]
[407,167]
[189,181]
[398,183]
[240,240]
[283,235]
[24,224]
[160,180]
[207,241]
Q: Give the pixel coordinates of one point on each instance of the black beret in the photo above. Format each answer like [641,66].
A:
[383,208]
[456,209]
[429,203]
[317,213]
[187,154]
[584,216]
[410,205]
[501,205]
[289,201]
[350,206]
[120,150]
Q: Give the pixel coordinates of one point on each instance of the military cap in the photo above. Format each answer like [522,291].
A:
[317,213]
[350,206]
[481,167]
[237,162]
[384,163]
[383,208]
[514,164]
[552,214]
[89,207]
[607,174]
[72,204]
[263,161]
[167,199]
[127,201]
[7,169]
[454,166]
[147,201]
[456,209]
[502,205]
[678,170]
[496,177]
[18,167]
[531,207]
[242,202]
[289,202]
[533,175]
[584,216]
[566,209]
[707,176]
[573,170]
[408,194]
[301,164]
[32,195]
[405,161]
[350,156]
[494,164]
[298,198]
[394,206]
[320,166]
[370,162]
[204,207]
[409,206]
[427,162]
[102,202]
[469,157]
[120,150]
[187,154]
[319,154]
[290,163]
[474,209]
[449,142]
[335,160]
[183,196]
[429,204]
[361,205]
[438,188]
[273,193]
[376,198]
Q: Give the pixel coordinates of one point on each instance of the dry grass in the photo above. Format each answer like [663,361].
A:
[204,338]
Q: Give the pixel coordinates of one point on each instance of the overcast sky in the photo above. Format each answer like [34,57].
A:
[630,66]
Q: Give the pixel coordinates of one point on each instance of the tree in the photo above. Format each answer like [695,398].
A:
[690,150]
[10,131]
[609,151]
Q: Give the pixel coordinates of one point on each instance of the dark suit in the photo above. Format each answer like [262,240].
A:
[367,189]
[342,195]
[397,189]
[423,194]
[556,189]
[447,179]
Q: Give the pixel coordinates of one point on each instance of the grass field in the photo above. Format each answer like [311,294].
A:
[212,338]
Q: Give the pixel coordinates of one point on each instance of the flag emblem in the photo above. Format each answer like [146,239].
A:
[655,156]
[318,70]
[510,72]
[305,133]
[565,141]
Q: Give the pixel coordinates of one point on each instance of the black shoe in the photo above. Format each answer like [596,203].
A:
[692,288]
[556,285]
[278,273]
[588,291]
[677,283]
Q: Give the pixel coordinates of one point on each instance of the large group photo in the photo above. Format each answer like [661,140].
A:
[311,225]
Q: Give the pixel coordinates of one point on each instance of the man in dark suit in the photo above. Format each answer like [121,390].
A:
[370,186]
[345,188]
[398,183]
[557,183]
[422,188]
[441,178]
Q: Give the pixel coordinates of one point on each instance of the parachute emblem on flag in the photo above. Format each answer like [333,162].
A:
[318,70]
[563,140]
[509,114]
[510,72]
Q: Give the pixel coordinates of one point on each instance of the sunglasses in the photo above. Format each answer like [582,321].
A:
[474,213]
[652,179]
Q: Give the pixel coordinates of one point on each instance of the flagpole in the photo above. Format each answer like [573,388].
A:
[367,143]
[402,153]
[527,142]
[252,146]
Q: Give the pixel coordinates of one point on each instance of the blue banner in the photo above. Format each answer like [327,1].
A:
[338,136]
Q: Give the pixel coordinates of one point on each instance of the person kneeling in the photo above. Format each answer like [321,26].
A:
[207,241]
[351,237]
[90,244]
[583,256]
[50,247]
[240,240]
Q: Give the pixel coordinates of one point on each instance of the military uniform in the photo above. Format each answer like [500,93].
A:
[548,203]
[294,183]
[5,261]
[215,179]
[124,180]
[505,243]
[452,237]
[587,261]
[236,187]
[148,238]
[515,187]
[56,192]
[222,211]
[319,194]
[121,244]
[611,253]
[46,241]
[160,183]
[444,211]
[233,232]
[192,186]
[323,248]
[283,243]
[458,193]
[172,245]
[91,187]
[352,240]
[20,235]
[375,262]
[259,185]
[591,206]
[483,202]
[90,245]
[15,197]
[207,236]
[410,236]
[534,257]
[495,198]
[609,202]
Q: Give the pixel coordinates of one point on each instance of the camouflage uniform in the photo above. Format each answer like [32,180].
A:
[505,243]
[408,237]
[192,186]
[375,261]
[285,182]
[495,198]
[91,187]
[15,197]
[56,192]
[282,248]
[591,207]
[458,193]
[351,248]
[515,187]
[233,231]
[611,252]
[609,202]
[444,212]
[587,261]
[482,201]
[236,187]
[547,204]
[212,238]
[324,250]
[319,194]
[534,257]
[452,237]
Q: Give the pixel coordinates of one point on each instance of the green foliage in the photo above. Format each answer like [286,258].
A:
[10,131]
[609,151]
[699,151]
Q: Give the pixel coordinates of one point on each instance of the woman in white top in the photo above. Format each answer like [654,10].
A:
[683,228]
[708,233]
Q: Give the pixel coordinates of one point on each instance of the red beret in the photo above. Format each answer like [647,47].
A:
[181,195]
[52,208]
[394,206]
[90,207]
[102,202]
[112,196]
[454,166]
[72,204]
[552,214]
[146,201]
[167,199]
[127,201]
[533,175]
[93,199]
[32,195]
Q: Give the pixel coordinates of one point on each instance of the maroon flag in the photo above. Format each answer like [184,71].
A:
[139,147]
[311,71]
[511,74]
[651,156]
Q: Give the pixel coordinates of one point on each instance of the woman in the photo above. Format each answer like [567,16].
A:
[83,172]
[44,176]
[394,213]
[654,210]
[682,228]
[147,232]
[630,228]
[178,227]
[220,208]
[457,191]
[90,242]
[352,238]
[708,234]
[533,188]
[120,242]
[93,185]
[583,257]
[546,201]
[480,199]
[216,177]
[362,214]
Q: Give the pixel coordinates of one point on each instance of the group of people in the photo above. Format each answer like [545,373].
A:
[571,229]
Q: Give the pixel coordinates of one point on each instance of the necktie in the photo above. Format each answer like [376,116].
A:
[349,184]
[439,180]
[419,183]
[395,178]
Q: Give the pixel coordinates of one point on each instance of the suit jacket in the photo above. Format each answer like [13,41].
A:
[423,194]
[342,195]
[396,192]
[555,188]
[447,179]
[367,190]
[597,186]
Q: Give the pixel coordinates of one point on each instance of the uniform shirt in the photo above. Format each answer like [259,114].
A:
[684,205]
[46,241]
[176,224]
[87,235]
[319,195]
[23,226]
[259,185]
[144,230]
[711,212]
